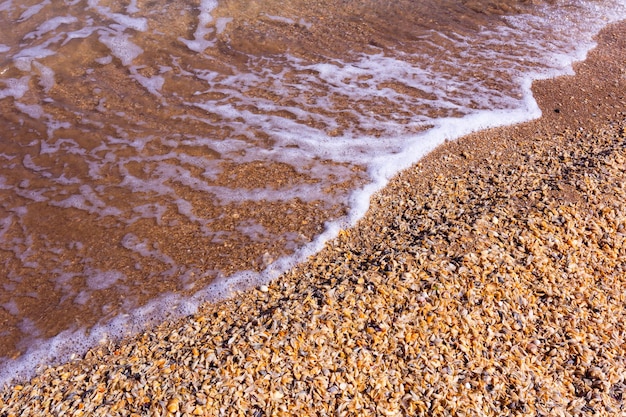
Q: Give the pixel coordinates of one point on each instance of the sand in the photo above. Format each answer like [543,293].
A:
[488,279]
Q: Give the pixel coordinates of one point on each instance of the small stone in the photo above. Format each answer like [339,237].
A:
[173,405]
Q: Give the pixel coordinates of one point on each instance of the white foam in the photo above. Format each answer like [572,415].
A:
[280,19]
[79,34]
[125,21]
[304,23]
[50,25]
[38,196]
[88,201]
[27,326]
[26,56]
[120,45]
[11,307]
[132,7]
[82,297]
[33,110]
[61,145]
[153,84]
[145,249]
[221,23]
[33,10]
[149,211]
[28,163]
[6,222]
[46,76]
[100,280]
[104,60]
[137,23]
[54,125]
[200,43]
[6,6]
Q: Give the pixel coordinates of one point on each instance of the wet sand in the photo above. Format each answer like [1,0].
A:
[489,279]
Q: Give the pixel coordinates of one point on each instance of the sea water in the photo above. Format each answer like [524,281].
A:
[158,154]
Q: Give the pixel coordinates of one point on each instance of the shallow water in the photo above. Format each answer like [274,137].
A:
[155,153]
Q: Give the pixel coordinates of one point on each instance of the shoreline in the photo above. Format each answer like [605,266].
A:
[470,285]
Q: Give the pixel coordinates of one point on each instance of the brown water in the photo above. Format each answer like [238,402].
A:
[152,147]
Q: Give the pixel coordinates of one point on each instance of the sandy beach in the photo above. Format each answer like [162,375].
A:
[487,280]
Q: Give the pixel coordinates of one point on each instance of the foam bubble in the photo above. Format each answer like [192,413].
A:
[153,84]
[200,43]
[33,110]
[61,145]
[33,10]
[46,76]
[100,280]
[26,56]
[220,24]
[145,249]
[54,125]
[125,21]
[88,201]
[254,230]
[149,211]
[120,45]
[50,25]
[137,23]
[83,297]
[6,222]
[27,326]
[280,19]
[79,34]
[132,7]
[6,6]
[304,23]
[11,307]
[104,60]
[28,163]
